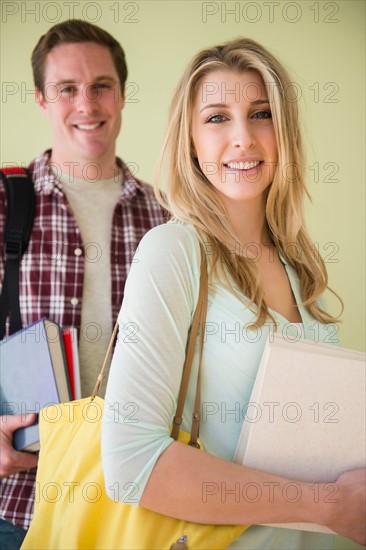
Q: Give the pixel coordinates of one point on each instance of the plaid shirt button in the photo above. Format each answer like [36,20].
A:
[78,252]
[74,301]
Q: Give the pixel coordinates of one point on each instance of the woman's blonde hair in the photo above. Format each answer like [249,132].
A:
[190,197]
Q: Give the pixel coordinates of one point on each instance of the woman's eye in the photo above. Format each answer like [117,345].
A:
[216,118]
[263,114]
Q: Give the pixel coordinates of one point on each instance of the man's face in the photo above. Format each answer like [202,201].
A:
[83,101]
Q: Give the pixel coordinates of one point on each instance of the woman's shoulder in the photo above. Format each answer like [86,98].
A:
[171,236]
[169,256]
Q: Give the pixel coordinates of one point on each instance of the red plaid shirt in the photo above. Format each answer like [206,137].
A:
[51,278]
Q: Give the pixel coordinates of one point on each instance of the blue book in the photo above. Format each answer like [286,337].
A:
[33,375]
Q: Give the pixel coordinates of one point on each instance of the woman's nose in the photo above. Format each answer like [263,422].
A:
[243,136]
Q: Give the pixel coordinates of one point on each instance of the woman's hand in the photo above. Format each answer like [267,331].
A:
[348,517]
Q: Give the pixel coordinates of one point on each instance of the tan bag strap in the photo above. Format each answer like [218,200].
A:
[198,322]
[101,375]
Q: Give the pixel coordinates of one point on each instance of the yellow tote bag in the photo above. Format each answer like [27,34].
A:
[72,509]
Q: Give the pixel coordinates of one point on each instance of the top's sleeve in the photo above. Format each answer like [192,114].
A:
[160,298]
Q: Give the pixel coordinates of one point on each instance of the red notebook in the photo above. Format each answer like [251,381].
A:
[70,343]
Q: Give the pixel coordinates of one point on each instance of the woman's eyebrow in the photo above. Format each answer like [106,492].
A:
[262,101]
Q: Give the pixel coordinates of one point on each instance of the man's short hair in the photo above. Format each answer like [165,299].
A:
[72,32]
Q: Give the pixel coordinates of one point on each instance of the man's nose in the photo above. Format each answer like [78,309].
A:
[87,99]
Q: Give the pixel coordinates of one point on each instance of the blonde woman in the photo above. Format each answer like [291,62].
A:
[235,183]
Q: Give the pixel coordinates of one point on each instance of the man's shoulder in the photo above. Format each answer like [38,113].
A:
[39,166]
[137,190]
[144,187]
[36,166]
[130,179]
[41,174]
[13,171]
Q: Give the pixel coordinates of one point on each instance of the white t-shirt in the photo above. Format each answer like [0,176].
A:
[93,204]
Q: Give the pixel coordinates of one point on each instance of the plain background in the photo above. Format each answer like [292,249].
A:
[320,42]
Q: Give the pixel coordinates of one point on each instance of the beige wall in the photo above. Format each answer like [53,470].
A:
[320,42]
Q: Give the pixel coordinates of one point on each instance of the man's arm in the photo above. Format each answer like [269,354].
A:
[11,461]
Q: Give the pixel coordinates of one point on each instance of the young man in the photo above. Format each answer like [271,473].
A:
[90,216]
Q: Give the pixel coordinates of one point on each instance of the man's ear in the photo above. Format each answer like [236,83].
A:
[123,97]
[40,99]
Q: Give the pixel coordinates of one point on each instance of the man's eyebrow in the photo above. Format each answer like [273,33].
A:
[106,77]
[97,79]
[262,101]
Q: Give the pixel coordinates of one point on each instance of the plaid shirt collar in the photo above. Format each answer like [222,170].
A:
[46,182]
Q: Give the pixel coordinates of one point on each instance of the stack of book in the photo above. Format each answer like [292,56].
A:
[37,370]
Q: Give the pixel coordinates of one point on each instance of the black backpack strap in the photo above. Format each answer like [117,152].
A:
[19,220]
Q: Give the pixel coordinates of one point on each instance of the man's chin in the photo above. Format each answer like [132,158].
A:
[90,153]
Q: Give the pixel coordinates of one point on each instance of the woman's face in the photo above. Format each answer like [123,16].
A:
[233,134]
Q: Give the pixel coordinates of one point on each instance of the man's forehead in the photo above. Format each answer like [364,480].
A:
[80,61]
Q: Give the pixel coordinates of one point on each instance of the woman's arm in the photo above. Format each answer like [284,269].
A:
[210,490]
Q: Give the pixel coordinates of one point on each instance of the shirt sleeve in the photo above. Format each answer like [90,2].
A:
[2,227]
[160,298]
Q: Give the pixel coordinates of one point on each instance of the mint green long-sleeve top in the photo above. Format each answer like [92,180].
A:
[160,299]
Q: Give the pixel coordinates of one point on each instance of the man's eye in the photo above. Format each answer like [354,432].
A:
[67,90]
[216,118]
[102,86]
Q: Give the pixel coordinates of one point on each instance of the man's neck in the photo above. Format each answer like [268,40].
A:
[85,169]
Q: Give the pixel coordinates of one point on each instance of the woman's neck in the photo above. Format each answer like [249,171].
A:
[248,221]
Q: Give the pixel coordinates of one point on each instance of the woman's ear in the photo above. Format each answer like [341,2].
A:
[193,150]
